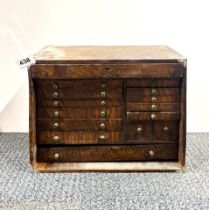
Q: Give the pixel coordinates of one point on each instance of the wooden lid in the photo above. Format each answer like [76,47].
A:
[107,54]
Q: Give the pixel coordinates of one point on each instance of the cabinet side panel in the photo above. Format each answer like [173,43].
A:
[182,130]
[32,121]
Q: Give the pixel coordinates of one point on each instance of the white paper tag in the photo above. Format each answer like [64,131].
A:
[26,62]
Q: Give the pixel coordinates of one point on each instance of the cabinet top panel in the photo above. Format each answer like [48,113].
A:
[107,54]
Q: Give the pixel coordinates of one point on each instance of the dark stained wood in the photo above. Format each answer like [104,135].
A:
[108,153]
[79,125]
[130,77]
[141,92]
[137,116]
[154,82]
[79,113]
[92,103]
[111,71]
[78,94]
[172,134]
[166,107]
[80,137]
[83,85]
[148,99]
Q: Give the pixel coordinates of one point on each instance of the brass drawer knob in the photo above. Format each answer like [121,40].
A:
[56,156]
[103,113]
[103,85]
[56,125]
[103,103]
[139,130]
[153,107]
[55,95]
[56,103]
[151,153]
[153,116]
[56,139]
[55,86]
[56,114]
[103,94]
[154,99]
[102,137]
[102,126]
[165,129]
[154,91]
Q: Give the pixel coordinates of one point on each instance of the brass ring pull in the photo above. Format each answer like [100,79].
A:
[56,114]
[103,103]
[153,116]
[154,99]
[55,103]
[56,139]
[102,137]
[153,107]
[102,126]
[103,94]
[103,114]
[165,129]
[56,125]
[139,130]
[55,86]
[154,91]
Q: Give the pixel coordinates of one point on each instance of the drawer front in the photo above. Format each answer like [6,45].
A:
[168,107]
[138,132]
[166,130]
[77,94]
[153,99]
[136,116]
[108,153]
[79,113]
[79,125]
[79,137]
[78,103]
[82,85]
[154,83]
[139,92]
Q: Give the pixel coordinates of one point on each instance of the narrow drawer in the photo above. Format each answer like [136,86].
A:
[79,125]
[78,103]
[108,153]
[82,85]
[166,130]
[136,116]
[153,99]
[154,83]
[79,113]
[77,94]
[79,137]
[167,107]
[152,91]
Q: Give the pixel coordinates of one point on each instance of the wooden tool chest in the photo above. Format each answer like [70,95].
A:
[118,108]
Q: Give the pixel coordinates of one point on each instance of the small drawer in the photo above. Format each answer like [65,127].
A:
[79,137]
[139,92]
[77,94]
[82,85]
[153,99]
[79,113]
[154,83]
[78,103]
[137,116]
[139,132]
[153,152]
[79,125]
[166,130]
[167,107]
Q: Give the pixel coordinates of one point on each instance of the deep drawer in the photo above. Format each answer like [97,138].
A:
[154,83]
[79,113]
[108,153]
[79,137]
[79,125]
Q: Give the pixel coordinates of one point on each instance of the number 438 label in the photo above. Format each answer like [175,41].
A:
[26,62]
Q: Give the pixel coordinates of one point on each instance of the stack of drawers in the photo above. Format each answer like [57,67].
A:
[153,114]
[77,112]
